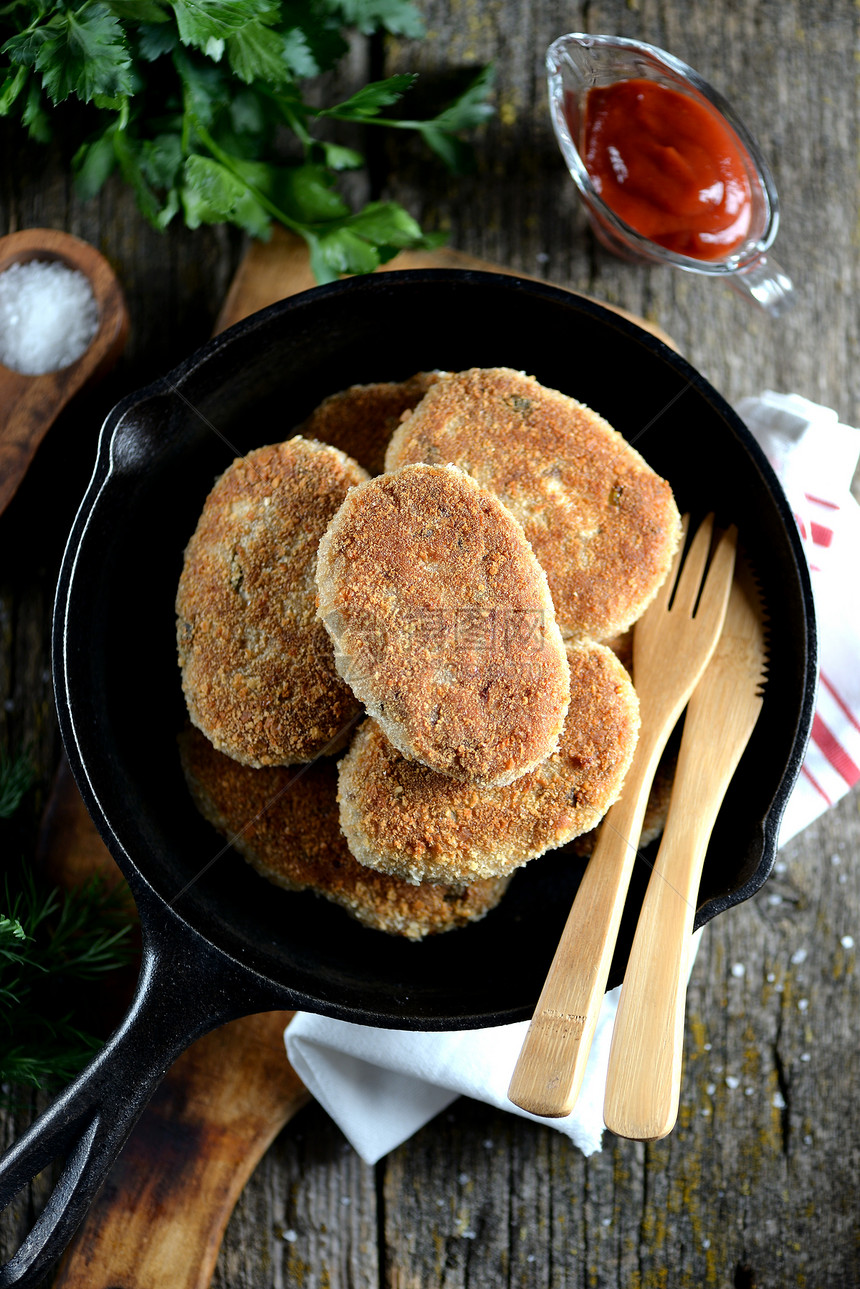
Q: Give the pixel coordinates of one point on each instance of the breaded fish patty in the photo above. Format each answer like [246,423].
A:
[443,624]
[601,522]
[258,669]
[360,420]
[284,822]
[401,818]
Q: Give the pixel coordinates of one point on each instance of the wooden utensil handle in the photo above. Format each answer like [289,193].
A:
[644,1075]
[551,1066]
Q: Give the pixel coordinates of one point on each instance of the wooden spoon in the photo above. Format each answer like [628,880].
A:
[30,404]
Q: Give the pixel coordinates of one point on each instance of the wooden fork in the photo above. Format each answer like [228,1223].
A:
[644,1077]
[672,644]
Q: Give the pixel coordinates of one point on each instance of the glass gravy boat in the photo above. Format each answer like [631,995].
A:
[577,63]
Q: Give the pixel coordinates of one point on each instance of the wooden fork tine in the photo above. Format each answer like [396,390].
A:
[664,594]
[693,569]
[718,583]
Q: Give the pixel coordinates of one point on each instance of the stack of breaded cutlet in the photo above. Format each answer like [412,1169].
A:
[425,579]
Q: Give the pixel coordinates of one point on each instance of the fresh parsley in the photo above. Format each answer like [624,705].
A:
[208,109]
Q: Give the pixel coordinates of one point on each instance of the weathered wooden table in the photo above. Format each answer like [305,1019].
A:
[757,1184]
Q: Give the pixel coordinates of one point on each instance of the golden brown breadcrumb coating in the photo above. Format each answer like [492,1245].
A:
[258,669]
[361,419]
[443,624]
[600,521]
[400,817]
[285,824]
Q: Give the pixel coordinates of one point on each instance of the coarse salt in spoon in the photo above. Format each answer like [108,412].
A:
[64,322]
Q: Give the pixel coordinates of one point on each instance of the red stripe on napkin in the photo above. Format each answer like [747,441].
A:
[816,785]
[839,700]
[826,741]
[821,535]
[819,501]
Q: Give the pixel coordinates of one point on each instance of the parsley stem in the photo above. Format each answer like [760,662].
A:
[294,108]
[228,163]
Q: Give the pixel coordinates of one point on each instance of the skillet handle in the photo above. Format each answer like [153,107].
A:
[175,1003]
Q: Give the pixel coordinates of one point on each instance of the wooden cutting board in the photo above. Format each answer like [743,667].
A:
[226,1098]
[273,270]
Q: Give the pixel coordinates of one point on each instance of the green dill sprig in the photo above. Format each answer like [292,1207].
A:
[190,100]
[51,942]
[16,776]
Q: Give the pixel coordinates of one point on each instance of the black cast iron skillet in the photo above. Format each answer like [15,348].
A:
[218,941]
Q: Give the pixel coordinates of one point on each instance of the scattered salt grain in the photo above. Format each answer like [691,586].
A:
[847,942]
[778,1101]
[48,316]
[732,1081]
[738,970]
[802,1004]
[290,1236]
[799,956]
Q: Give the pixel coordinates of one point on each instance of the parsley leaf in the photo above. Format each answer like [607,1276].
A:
[470,109]
[139,10]
[370,100]
[83,52]
[255,50]
[400,18]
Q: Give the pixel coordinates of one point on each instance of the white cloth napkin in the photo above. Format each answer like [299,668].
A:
[815,458]
[381,1086]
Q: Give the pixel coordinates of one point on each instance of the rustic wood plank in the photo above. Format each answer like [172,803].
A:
[309,1217]
[747,1191]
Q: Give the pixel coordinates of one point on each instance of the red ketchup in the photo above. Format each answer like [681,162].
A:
[669,167]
